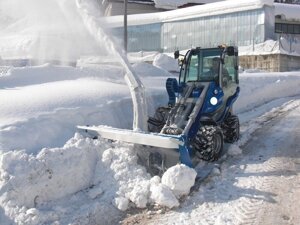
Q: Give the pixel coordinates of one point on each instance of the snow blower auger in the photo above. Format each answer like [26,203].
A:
[198,118]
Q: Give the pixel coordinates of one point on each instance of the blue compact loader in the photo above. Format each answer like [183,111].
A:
[199,116]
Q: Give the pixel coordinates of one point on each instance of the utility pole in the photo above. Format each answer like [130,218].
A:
[125,25]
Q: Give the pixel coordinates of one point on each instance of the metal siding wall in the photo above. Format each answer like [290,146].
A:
[240,28]
[141,38]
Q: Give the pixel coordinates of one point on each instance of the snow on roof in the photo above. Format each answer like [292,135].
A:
[289,11]
[173,4]
[216,8]
[147,2]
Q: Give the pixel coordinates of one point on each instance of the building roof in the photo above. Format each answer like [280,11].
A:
[136,1]
[216,8]
[174,4]
[288,11]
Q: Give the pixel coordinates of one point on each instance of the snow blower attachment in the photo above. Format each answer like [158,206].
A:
[198,117]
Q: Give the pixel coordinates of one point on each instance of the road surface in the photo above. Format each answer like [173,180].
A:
[259,186]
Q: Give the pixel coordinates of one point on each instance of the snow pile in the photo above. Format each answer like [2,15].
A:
[166,62]
[146,69]
[32,180]
[91,171]
[136,186]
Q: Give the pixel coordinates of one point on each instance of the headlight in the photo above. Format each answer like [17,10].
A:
[213,101]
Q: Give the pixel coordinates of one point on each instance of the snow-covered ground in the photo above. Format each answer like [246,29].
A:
[52,173]
[259,186]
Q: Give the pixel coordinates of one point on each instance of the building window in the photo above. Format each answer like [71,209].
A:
[297,29]
[290,28]
[287,28]
[278,28]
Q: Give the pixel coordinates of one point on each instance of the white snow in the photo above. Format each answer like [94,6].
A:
[52,30]
[287,11]
[173,4]
[165,62]
[216,8]
[163,196]
[52,174]
[179,179]
[46,167]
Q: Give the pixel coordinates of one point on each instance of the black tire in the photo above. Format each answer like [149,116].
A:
[156,123]
[208,143]
[231,129]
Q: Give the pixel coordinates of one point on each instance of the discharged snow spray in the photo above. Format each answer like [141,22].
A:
[91,19]
[61,32]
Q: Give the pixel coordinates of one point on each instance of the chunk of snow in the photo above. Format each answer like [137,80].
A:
[234,150]
[139,194]
[163,196]
[95,192]
[121,203]
[215,171]
[155,180]
[179,179]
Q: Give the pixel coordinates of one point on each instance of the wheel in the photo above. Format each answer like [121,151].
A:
[231,129]
[156,123]
[208,143]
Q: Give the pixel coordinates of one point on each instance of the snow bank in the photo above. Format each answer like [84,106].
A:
[89,170]
[31,180]
[260,88]
[166,62]
[146,69]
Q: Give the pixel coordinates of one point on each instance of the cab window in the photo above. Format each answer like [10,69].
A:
[230,67]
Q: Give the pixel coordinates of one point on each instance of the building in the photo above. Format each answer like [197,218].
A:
[116,7]
[242,23]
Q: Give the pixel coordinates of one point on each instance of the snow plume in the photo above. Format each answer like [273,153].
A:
[44,31]
[91,20]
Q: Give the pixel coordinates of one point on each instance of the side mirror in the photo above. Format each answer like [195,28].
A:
[230,51]
[176,54]
[180,61]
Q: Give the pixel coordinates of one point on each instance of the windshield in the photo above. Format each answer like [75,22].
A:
[202,65]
